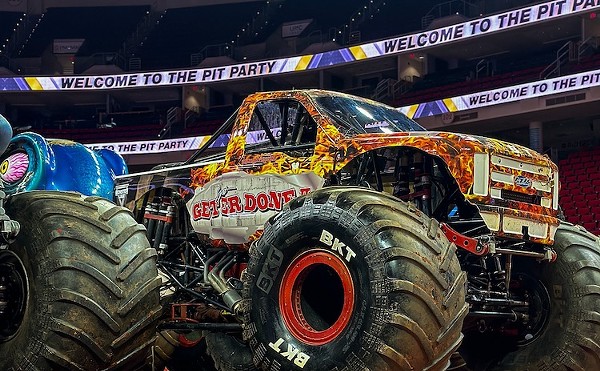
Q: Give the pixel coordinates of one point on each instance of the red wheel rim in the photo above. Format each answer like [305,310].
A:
[290,296]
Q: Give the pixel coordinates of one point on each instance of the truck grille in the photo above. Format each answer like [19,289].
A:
[521,197]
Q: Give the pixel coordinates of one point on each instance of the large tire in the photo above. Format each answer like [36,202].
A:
[176,351]
[352,279]
[571,337]
[91,285]
[229,353]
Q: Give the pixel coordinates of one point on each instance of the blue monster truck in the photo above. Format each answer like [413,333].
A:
[78,279]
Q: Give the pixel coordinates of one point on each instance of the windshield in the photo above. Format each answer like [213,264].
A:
[356,116]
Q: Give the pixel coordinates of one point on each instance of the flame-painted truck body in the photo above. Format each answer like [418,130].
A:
[78,279]
[317,230]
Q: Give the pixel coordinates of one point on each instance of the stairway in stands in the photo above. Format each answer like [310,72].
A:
[580,189]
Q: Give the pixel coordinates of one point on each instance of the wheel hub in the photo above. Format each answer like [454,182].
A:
[316,297]
[13,294]
[533,291]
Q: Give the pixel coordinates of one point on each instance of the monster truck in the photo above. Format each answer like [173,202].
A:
[316,230]
[79,287]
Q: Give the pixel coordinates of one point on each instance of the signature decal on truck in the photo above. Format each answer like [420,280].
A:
[233,206]
[225,205]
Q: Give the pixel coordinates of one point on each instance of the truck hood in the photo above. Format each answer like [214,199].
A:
[451,145]
[513,186]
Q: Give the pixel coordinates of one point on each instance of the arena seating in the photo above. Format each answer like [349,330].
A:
[325,15]
[8,22]
[579,194]
[184,31]
[507,71]
[103,28]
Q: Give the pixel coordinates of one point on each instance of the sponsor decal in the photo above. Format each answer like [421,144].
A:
[523,181]
[376,124]
[121,192]
[291,353]
[269,270]
[235,205]
[336,245]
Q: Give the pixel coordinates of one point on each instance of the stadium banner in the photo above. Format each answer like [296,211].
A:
[506,94]
[177,144]
[407,43]
[152,146]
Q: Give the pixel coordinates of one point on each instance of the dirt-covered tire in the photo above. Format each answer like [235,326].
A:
[352,279]
[88,284]
[166,344]
[571,337]
[177,351]
[228,352]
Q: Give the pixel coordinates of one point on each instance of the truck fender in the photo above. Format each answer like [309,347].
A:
[34,163]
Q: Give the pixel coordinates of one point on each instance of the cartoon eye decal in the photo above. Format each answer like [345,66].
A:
[14,167]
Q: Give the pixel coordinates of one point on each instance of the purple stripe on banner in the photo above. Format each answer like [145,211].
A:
[436,107]
[314,62]
[442,106]
[348,57]
[419,111]
[376,45]
[55,83]
[331,58]
[8,84]
[283,65]
[21,83]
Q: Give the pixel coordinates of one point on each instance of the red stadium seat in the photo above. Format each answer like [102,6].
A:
[590,226]
[576,164]
[566,199]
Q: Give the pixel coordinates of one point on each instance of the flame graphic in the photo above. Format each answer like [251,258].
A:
[333,151]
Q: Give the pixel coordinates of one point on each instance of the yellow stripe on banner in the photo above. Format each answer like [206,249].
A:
[412,110]
[203,140]
[33,83]
[357,52]
[303,63]
[450,104]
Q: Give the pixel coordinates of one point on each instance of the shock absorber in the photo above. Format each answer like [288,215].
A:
[426,185]
[401,188]
[3,295]
[150,218]
[422,181]
[161,220]
[499,275]
[167,228]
